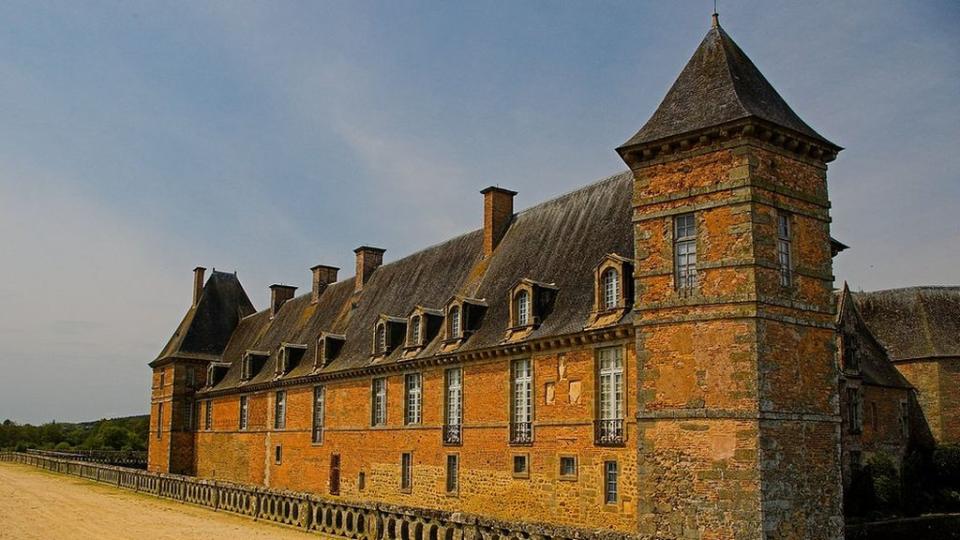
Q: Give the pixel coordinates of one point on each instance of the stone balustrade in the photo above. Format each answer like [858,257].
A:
[123,458]
[308,512]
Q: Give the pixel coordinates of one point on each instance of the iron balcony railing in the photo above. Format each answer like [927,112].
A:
[609,432]
[521,432]
[452,434]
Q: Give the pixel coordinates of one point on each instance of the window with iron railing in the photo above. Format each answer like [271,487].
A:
[453,410]
[521,422]
[609,426]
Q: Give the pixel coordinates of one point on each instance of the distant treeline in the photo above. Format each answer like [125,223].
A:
[129,433]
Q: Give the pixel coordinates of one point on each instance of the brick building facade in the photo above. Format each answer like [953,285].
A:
[653,354]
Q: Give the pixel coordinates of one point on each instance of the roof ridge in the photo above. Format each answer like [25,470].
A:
[572,192]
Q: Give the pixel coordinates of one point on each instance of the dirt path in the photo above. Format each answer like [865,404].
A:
[40,504]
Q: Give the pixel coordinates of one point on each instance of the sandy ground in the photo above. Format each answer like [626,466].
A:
[40,504]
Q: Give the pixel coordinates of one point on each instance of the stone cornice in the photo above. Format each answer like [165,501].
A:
[734,133]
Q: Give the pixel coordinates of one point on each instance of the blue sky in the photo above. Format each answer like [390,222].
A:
[140,140]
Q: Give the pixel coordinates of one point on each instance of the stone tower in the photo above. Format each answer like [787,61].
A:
[738,421]
[181,368]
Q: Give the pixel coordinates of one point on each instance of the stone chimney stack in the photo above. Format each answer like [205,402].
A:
[368,260]
[322,276]
[198,284]
[279,294]
[497,213]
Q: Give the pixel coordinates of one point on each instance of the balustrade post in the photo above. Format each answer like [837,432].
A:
[306,514]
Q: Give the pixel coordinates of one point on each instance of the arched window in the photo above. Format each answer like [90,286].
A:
[610,286]
[415,330]
[380,345]
[455,326]
[522,308]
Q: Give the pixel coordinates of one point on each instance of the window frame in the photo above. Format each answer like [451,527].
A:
[523,308]
[611,496]
[854,408]
[378,402]
[413,399]
[208,415]
[406,472]
[785,248]
[610,408]
[576,469]
[610,291]
[685,273]
[319,412]
[525,459]
[280,410]
[452,481]
[453,406]
[416,331]
[521,384]
[159,420]
[455,322]
[380,339]
[278,454]
[244,412]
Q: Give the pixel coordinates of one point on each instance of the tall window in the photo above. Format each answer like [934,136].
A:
[379,402]
[453,411]
[783,248]
[853,405]
[159,420]
[319,395]
[610,412]
[455,324]
[163,378]
[412,398]
[187,416]
[208,415]
[244,411]
[850,347]
[278,454]
[334,474]
[406,471]
[523,308]
[610,480]
[380,345]
[610,281]
[453,473]
[415,330]
[195,416]
[521,428]
[191,376]
[280,410]
[685,251]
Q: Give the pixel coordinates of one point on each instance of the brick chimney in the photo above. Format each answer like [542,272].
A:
[198,284]
[322,276]
[497,213]
[279,294]
[368,260]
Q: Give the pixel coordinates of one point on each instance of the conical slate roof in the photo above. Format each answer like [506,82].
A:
[719,85]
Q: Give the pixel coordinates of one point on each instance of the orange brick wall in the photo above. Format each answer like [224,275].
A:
[562,426]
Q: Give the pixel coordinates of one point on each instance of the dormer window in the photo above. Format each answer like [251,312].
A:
[463,318]
[252,362]
[216,372]
[289,358]
[522,307]
[388,333]
[612,294]
[610,281]
[423,324]
[530,302]
[328,345]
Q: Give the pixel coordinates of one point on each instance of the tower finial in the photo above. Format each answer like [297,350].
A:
[716,16]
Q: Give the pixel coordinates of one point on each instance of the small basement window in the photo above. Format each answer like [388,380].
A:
[521,466]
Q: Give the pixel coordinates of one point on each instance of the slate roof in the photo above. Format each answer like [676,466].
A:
[559,241]
[875,365]
[915,322]
[207,327]
[719,85]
